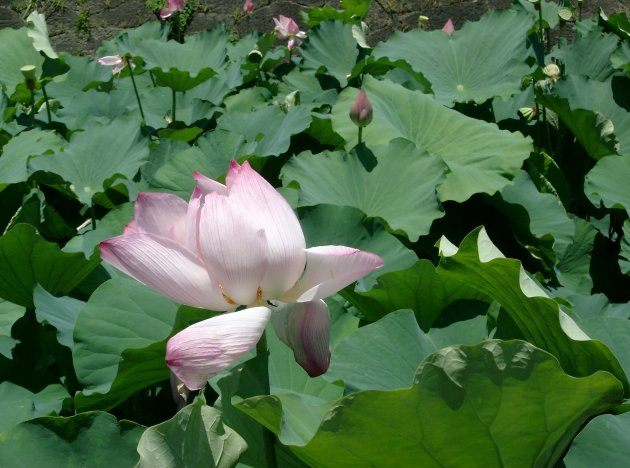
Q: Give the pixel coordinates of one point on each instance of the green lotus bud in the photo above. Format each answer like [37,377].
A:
[423,21]
[565,14]
[361,110]
[28,71]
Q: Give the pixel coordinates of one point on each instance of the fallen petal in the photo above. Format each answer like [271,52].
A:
[305,328]
[331,268]
[206,348]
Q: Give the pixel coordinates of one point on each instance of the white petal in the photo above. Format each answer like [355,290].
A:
[305,328]
[165,266]
[206,348]
[329,269]
[267,208]
[208,185]
[233,248]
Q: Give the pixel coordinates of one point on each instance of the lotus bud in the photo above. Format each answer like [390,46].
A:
[28,71]
[449,27]
[248,6]
[423,21]
[361,110]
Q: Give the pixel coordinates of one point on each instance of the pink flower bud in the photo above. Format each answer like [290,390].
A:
[361,110]
[448,27]
[248,6]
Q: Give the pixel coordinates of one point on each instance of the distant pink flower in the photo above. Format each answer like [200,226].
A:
[231,245]
[286,28]
[171,7]
[248,6]
[116,61]
[361,110]
[448,27]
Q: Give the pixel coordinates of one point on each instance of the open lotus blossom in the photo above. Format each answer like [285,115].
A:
[171,7]
[116,61]
[238,244]
[286,28]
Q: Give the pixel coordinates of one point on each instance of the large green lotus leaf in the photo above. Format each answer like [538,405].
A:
[573,267]
[344,225]
[602,321]
[544,215]
[130,41]
[620,58]
[211,157]
[480,157]
[60,312]
[26,259]
[195,436]
[9,314]
[482,60]
[538,317]
[419,288]
[549,10]
[97,155]
[81,74]
[577,95]
[95,106]
[184,66]
[331,46]
[607,182]
[93,439]
[18,404]
[268,130]
[460,411]
[112,224]
[38,31]
[16,51]
[309,88]
[21,148]
[119,342]
[157,106]
[385,355]
[216,88]
[605,438]
[588,55]
[410,206]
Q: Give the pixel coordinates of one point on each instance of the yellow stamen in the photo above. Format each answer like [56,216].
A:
[259,294]
[227,298]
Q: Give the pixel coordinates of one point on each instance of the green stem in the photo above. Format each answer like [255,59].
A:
[173,107]
[32,108]
[360,135]
[93,216]
[135,88]
[269,439]
[47,104]
[541,33]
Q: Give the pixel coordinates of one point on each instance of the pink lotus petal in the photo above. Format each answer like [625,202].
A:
[171,7]
[233,247]
[166,266]
[329,269]
[448,27]
[161,214]
[305,328]
[248,6]
[208,185]
[110,60]
[206,348]
[269,210]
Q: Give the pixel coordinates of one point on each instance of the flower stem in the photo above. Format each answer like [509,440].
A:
[32,104]
[135,88]
[269,439]
[360,135]
[47,104]
[174,107]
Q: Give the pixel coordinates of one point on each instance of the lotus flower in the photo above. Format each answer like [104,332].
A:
[116,61]
[248,6]
[286,28]
[361,110]
[171,7]
[238,244]
[449,27]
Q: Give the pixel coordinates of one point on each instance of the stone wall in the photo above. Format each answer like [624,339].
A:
[80,26]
